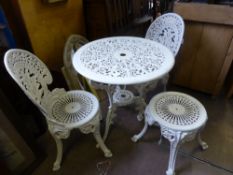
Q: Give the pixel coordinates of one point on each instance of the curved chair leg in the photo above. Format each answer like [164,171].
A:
[136,137]
[175,139]
[201,142]
[59,144]
[174,146]
[101,144]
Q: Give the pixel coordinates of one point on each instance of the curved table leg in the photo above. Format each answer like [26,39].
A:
[203,144]
[111,111]
[140,106]
[110,115]
[136,137]
[99,140]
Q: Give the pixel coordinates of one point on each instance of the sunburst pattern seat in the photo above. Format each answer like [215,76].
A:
[180,117]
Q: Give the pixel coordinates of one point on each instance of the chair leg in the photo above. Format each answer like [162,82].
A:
[175,139]
[136,137]
[201,142]
[174,146]
[59,144]
[100,142]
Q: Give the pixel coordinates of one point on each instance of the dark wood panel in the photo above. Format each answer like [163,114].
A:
[206,56]
[199,12]
[117,17]
[96,19]
[187,54]
[210,57]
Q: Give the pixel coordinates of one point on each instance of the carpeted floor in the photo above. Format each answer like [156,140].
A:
[81,157]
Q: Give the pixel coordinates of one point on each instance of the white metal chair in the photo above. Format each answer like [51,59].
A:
[63,110]
[180,117]
[73,79]
[167,29]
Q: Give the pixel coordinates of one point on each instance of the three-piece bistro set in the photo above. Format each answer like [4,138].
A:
[113,64]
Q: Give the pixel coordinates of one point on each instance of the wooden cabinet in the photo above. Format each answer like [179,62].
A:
[96,18]
[206,55]
[117,17]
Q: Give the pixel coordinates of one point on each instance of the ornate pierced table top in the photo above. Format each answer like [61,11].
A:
[123,60]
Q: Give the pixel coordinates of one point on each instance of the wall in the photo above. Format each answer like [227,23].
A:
[49,26]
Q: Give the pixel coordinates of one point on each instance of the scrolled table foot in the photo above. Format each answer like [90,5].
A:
[170,172]
[56,166]
[134,138]
[140,117]
[108,154]
[204,145]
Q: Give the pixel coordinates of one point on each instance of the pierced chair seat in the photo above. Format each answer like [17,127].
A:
[63,110]
[177,111]
[180,117]
[74,108]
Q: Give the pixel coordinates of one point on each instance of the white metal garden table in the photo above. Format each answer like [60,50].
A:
[114,61]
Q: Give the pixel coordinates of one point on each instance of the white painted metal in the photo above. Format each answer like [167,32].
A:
[73,43]
[123,60]
[167,29]
[180,117]
[115,61]
[63,110]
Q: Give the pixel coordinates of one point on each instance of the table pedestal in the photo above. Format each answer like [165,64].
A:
[118,97]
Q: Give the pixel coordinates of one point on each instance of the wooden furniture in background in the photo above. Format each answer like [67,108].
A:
[229,83]
[207,52]
[117,17]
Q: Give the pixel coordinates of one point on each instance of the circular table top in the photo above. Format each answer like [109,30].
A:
[123,60]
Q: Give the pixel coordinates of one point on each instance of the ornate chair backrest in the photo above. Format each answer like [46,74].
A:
[167,29]
[73,43]
[30,73]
